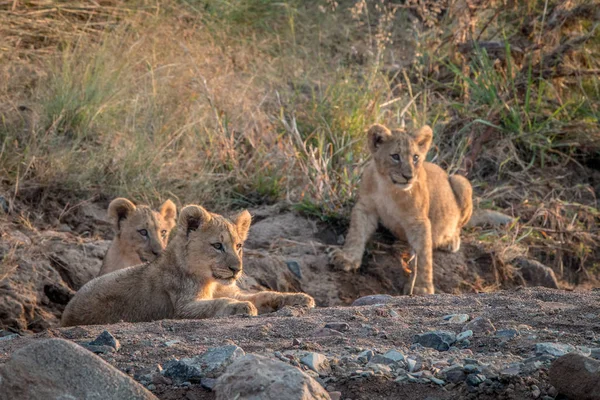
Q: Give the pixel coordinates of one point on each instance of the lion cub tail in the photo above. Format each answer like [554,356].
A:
[463,192]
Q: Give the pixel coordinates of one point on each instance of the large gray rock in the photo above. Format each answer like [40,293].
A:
[254,377]
[59,369]
[209,364]
[536,273]
[576,377]
[439,340]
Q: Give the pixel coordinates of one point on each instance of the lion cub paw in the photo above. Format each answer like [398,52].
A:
[297,299]
[240,308]
[341,261]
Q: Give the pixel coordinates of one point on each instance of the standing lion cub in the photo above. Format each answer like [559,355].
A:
[416,200]
[195,277]
[140,233]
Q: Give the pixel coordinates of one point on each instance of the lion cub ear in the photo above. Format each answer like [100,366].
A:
[168,211]
[191,218]
[423,138]
[119,209]
[242,222]
[377,134]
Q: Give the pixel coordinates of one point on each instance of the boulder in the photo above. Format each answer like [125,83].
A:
[576,377]
[254,377]
[59,369]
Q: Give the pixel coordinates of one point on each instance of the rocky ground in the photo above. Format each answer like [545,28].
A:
[447,346]
[479,346]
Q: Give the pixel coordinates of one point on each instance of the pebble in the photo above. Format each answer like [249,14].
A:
[151,387]
[208,383]
[535,391]
[437,381]
[171,343]
[553,349]
[439,340]
[294,268]
[456,318]
[455,374]
[316,362]
[595,353]
[9,337]
[471,369]
[475,379]
[365,356]
[464,335]
[338,326]
[4,204]
[507,333]
[394,355]
[106,339]
[335,395]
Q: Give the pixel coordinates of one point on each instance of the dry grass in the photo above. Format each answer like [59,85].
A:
[233,103]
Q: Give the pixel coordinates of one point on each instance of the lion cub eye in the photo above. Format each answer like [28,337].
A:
[143,232]
[396,157]
[163,233]
[218,246]
[238,246]
[415,158]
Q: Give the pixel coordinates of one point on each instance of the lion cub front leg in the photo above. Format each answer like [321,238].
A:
[267,301]
[199,309]
[419,237]
[362,225]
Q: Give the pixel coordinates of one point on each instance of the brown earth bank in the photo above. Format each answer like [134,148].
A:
[506,344]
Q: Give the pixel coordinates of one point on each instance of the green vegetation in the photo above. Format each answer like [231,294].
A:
[244,102]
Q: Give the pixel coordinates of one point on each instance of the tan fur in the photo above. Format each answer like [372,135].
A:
[130,246]
[416,201]
[193,278]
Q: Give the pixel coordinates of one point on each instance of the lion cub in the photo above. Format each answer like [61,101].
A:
[414,199]
[195,277]
[140,233]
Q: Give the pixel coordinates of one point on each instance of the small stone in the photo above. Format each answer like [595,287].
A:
[464,335]
[455,375]
[208,383]
[535,391]
[294,268]
[456,318]
[513,370]
[394,355]
[475,379]
[9,337]
[316,362]
[99,349]
[439,340]
[372,300]
[576,377]
[553,349]
[180,371]
[480,325]
[335,395]
[171,343]
[471,369]
[151,387]
[296,342]
[365,356]
[437,381]
[595,353]
[4,205]
[507,333]
[106,339]
[338,326]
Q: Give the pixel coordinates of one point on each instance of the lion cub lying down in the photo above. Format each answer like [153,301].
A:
[414,199]
[140,233]
[195,277]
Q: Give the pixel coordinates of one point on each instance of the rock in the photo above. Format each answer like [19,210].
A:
[254,377]
[437,381]
[337,326]
[365,356]
[106,339]
[372,300]
[464,335]
[10,336]
[536,273]
[324,332]
[595,353]
[59,369]
[507,333]
[455,374]
[489,217]
[553,349]
[208,383]
[439,340]
[576,377]
[99,349]
[394,356]
[471,369]
[480,325]
[180,371]
[317,362]
[456,318]
[512,370]
[475,379]
[209,364]
[171,343]
[535,391]
[335,395]
[294,267]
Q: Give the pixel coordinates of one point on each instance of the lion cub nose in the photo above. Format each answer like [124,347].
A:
[235,268]
[407,177]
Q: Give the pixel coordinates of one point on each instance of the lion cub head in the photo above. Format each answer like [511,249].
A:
[211,244]
[140,228]
[399,154]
